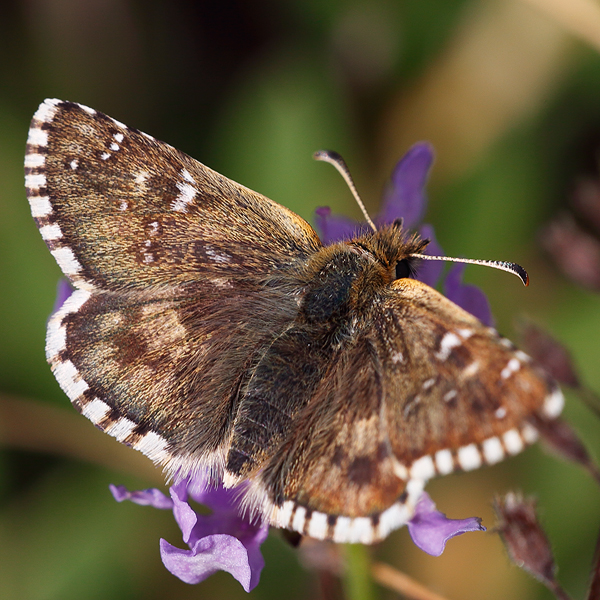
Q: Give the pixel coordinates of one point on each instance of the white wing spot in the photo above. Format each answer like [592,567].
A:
[450,395]
[105,155]
[70,381]
[428,383]
[529,433]
[119,137]
[299,518]
[35,181]
[74,164]
[219,257]
[410,405]
[153,446]
[118,123]
[141,177]
[512,441]
[397,357]
[37,137]
[500,413]
[512,367]
[51,232]
[114,147]
[34,160]
[283,515]
[87,109]
[95,410]
[444,462]
[493,450]
[317,526]
[121,428]
[469,457]
[522,356]
[449,341]
[66,260]
[553,404]
[47,110]
[123,205]
[187,192]
[40,206]
[56,338]
[471,369]
[423,468]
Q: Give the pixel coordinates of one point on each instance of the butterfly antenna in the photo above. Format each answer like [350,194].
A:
[340,164]
[510,267]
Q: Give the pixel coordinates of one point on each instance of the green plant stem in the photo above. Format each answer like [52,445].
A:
[357,580]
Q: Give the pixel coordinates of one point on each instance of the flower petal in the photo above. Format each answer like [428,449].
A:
[184,514]
[469,297]
[430,270]
[214,553]
[149,497]
[406,198]
[335,228]
[431,529]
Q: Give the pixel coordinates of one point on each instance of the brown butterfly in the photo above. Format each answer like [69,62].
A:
[210,328]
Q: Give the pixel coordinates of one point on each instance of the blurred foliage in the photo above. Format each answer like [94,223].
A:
[509,95]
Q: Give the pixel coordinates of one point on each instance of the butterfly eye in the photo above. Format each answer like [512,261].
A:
[403,269]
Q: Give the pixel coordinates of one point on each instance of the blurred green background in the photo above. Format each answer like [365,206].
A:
[508,91]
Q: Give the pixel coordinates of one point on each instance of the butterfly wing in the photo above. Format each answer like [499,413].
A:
[178,277]
[122,211]
[435,391]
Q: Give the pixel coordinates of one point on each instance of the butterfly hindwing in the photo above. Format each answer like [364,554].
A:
[170,364]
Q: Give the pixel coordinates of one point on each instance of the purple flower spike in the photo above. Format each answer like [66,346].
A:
[468,297]
[430,271]
[406,195]
[431,529]
[334,228]
[221,541]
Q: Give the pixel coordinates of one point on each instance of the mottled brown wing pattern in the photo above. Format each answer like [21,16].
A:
[120,210]
[164,371]
[178,277]
[445,393]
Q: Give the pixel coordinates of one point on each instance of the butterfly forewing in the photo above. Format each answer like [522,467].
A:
[121,210]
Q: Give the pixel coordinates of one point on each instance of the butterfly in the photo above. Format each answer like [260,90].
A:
[211,329]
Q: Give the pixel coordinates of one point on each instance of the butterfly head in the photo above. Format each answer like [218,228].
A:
[341,278]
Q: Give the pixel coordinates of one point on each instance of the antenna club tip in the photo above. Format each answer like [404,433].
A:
[326,155]
[521,272]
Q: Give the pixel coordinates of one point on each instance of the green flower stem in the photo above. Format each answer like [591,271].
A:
[357,581]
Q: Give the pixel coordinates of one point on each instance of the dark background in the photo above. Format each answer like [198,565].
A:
[507,91]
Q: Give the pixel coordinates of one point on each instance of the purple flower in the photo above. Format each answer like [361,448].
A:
[431,529]
[221,541]
[406,199]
